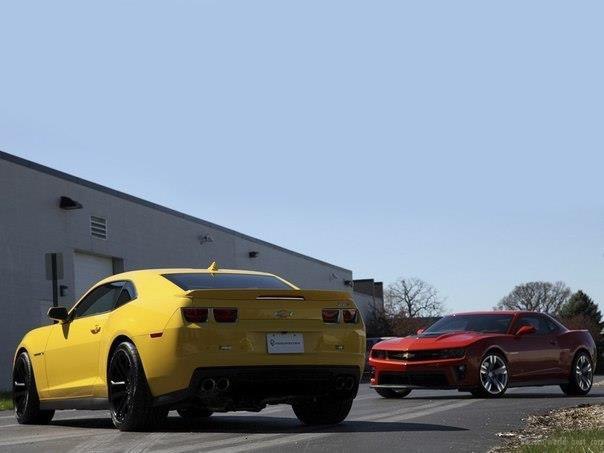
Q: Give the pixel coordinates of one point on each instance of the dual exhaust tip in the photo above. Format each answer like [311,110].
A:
[210,385]
[345,383]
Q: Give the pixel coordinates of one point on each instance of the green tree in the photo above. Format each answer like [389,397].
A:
[581,304]
[581,312]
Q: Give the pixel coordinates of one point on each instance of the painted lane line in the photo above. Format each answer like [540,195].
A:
[250,439]
[57,419]
[98,442]
[29,439]
[270,443]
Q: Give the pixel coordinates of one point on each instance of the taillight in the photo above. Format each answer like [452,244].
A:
[192,314]
[330,315]
[225,314]
[349,315]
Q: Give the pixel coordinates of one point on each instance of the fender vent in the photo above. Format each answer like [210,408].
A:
[98,227]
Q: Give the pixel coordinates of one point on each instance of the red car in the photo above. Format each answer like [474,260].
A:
[485,353]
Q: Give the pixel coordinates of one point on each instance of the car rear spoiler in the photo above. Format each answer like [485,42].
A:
[269,294]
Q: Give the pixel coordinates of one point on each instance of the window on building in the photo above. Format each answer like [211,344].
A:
[98,227]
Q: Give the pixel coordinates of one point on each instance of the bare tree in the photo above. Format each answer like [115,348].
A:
[546,297]
[378,323]
[412,298]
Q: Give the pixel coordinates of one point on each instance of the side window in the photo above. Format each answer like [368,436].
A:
[100,300]
[128,293]
[541,324]
[552,327]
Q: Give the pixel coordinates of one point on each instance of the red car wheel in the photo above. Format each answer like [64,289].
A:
[493,376]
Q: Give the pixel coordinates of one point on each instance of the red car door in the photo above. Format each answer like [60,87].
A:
[535,356]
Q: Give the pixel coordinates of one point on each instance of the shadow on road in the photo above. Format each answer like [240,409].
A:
[262,425]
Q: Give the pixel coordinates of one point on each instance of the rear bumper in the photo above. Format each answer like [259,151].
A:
[253,387]
[445,374]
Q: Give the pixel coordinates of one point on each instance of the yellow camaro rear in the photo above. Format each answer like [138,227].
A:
[145,342]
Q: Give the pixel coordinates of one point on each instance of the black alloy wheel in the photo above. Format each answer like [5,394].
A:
[130,399]
[25,394]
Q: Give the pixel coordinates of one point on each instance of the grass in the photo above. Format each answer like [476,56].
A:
[581,441]
[6,401]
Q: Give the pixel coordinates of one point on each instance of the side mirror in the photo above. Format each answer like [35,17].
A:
[58,313]
[421,330]
[525,330]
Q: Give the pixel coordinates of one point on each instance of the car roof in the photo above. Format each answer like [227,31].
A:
[498,312]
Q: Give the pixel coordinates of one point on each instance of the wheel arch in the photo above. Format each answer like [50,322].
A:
[20,349]
[114,344]
[497,349]
[580,349]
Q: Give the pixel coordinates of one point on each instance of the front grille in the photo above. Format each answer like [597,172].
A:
[414,379]
[410,356]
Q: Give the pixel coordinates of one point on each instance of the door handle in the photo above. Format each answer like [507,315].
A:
[95,329]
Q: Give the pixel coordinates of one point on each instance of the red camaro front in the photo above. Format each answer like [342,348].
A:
[485,353]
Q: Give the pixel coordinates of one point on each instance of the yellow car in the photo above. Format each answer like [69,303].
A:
[145,342]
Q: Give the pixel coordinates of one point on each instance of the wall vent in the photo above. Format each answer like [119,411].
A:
[98,227]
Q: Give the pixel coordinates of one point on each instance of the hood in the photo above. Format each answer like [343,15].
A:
[444,341]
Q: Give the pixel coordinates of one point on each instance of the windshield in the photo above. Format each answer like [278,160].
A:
[226,281]
[487,323]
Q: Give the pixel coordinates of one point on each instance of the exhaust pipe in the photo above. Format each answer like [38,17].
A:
[222,384]
[208,385]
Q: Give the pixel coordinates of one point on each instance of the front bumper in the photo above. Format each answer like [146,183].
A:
[442,374]
[253,387]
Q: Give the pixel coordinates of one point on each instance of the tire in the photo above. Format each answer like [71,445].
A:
[194,413]
[130,399]
[328,411]
[25,394]
[493,376]
[392,393]
[581,376]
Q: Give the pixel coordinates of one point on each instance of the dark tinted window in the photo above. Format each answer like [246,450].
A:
[226,281]
[496,323]
[542,324]
[128,293]
[100,300]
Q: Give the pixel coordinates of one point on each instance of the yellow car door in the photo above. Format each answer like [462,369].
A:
[72,350]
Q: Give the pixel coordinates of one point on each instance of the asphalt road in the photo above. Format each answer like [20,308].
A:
[426,421]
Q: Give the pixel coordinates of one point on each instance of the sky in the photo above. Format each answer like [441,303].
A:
[457,142]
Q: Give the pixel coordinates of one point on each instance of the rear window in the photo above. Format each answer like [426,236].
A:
[189,282]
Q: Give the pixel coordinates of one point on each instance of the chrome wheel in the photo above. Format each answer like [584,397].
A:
[20,385]
[493,374]
[584,373]
[120,384]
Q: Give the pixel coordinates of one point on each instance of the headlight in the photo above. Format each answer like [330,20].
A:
[378,354]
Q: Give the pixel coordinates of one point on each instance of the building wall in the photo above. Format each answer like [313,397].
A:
[369,296]
[141,234]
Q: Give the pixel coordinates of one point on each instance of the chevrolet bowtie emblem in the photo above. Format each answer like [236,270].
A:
[282,314]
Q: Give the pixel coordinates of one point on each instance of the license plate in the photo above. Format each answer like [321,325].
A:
[285,343]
